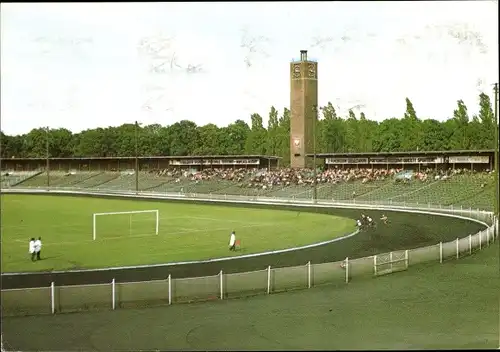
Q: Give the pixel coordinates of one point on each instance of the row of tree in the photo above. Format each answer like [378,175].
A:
[334,134]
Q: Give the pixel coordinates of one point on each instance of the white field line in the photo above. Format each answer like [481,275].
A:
[415,190]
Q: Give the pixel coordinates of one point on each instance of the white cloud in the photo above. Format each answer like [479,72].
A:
[79,65]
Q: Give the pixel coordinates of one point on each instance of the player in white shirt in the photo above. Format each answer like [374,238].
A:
[232,241]
[371,223]
[359,223]
[38,248]
[32,249]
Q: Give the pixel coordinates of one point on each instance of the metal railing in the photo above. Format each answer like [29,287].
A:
[55,299]
[292,200]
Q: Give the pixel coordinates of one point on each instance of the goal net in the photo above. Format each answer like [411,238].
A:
[125,223]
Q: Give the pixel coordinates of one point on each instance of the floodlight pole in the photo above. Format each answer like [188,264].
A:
[315,188]
[136,160]
[47,155]
[1,155]
[497,134]
[497,146]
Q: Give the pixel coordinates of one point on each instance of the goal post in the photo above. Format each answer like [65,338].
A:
[96,215]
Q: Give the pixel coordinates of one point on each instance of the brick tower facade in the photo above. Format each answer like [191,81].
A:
[303,104]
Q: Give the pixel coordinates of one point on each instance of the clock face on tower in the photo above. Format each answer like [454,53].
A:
[312,71]
[296,71]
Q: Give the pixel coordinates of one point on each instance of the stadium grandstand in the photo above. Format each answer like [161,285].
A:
[479,160]
[462,178]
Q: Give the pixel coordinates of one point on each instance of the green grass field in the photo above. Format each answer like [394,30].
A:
[448,306]
[431,306]
[186,231]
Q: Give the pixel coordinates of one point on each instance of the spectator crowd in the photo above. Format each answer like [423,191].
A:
[263,178]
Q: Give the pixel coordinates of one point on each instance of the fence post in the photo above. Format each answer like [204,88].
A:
[347,270]
[169,289]
[309,274]
[407,259]
[375,265]
[221,285]
[390,259]
[495,231]
[441,252]
[52,297]
[470,244]
[458,249]
[113,298]
[269,279]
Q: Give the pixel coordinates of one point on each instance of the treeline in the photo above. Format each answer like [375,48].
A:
[334,134]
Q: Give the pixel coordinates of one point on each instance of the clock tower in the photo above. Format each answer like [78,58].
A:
[303,105]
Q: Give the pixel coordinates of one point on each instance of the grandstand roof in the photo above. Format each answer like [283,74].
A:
[267,157]
[413,153]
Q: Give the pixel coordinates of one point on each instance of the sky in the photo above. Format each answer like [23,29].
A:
[87,65]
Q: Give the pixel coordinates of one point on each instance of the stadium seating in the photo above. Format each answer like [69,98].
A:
[11,178]
[449,187]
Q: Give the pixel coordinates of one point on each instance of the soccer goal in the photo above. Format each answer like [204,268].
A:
[117,224]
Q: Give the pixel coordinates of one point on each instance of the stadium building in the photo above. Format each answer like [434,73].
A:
[196,163]
[474,160]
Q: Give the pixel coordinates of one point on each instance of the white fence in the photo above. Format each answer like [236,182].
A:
[47,300]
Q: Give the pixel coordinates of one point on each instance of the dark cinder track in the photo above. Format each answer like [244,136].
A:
[406,231]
